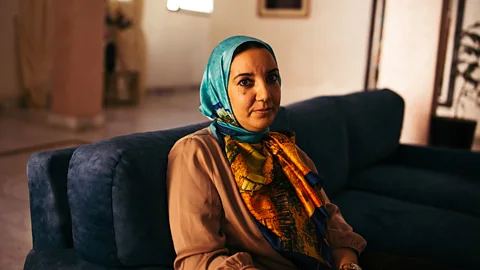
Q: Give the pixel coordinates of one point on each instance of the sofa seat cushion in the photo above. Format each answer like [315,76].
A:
[66,259]
[421,186]
[396,227]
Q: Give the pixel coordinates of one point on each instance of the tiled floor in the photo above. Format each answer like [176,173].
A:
[25,132]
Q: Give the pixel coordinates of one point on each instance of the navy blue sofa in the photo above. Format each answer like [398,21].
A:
[103,205]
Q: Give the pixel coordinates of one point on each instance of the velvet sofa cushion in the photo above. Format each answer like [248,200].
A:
[374,121]
[281,121]
[321,132]
[393,226]
[117,196]
[461,162]
[422,186]
[49,210]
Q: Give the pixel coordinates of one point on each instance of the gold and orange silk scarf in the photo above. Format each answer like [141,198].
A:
[273,182]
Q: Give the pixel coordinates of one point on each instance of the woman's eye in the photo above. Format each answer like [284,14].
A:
[272,78]
[244,82]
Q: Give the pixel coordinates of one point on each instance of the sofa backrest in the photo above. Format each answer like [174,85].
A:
[347,133]
[117,197]
[321,132]
[374,122]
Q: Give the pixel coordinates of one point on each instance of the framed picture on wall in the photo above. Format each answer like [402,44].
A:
[283,8]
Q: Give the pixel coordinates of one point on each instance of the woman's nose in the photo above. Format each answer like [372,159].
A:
[263,92]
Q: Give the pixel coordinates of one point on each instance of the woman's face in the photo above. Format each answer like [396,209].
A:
[254,89]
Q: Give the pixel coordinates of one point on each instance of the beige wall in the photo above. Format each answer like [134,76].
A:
[9,86]
[471,15]
[408,59]
[324,54]
[177,45]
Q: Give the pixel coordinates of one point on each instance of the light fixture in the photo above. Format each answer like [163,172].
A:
[173,5]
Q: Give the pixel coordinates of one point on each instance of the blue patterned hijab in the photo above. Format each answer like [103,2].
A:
[214,100]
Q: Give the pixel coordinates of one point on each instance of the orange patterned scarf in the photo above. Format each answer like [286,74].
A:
[280,193]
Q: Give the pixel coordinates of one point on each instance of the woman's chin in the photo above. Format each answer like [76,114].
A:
[261,125]
[256,123]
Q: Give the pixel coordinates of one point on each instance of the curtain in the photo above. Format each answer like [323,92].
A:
[34,32]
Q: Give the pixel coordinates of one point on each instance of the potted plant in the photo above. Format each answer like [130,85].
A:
[459,132]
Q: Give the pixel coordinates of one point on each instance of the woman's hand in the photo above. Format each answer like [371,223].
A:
[344,255]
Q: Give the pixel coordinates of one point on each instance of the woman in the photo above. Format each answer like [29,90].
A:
[241,197]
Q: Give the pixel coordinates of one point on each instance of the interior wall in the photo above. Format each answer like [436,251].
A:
[330,51]
[471,15]
[177,45]
[408,59]
[323,54]
[9,86]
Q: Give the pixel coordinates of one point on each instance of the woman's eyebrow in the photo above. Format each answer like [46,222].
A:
[273,70]
[243,74]
[251,74]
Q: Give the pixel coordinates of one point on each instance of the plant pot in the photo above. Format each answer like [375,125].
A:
[452,132]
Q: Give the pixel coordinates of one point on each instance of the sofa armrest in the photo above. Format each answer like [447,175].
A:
[451,161]
[47,184]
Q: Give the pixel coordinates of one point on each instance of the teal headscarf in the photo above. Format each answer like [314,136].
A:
[214,100]
[215,104]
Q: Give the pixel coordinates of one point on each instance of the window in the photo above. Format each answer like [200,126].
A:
[203,6]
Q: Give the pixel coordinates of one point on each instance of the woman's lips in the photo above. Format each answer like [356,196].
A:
[263,111]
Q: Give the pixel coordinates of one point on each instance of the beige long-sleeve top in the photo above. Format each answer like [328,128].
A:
[210,224]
